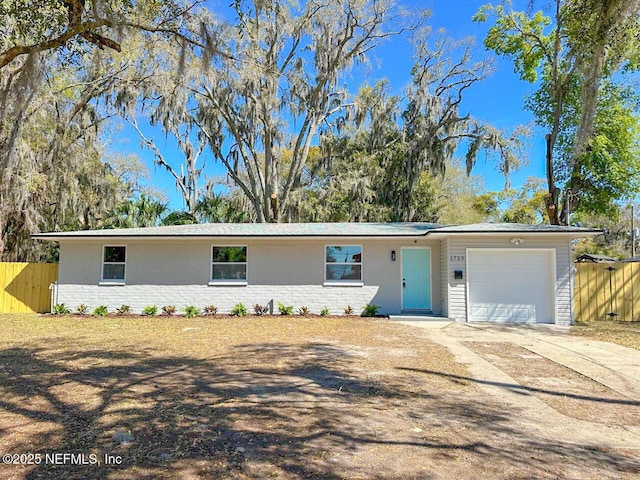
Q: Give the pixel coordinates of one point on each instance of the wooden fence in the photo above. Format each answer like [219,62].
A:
[607,291]
[24,287]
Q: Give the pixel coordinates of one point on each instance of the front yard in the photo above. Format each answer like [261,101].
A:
[267,397]
[626,334]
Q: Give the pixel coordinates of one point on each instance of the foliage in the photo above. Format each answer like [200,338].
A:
[73,26]
[210,310]
[150,310]
[285,309]
[390,164]
[82,309]
[60,309]
[260,309]
[55,172]
[179,218]
[348,310]
[100,311]
[144,211]
[526,205]
[303,311]
[300,53]
[123,310]
[616,238]
[239,310]
[324,312]
[582,55]
[370,310]
[169,310]
[191,311]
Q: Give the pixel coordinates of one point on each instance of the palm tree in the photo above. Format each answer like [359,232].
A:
[143,211]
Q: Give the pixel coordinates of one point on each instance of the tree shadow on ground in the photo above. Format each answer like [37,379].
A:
[525,390]
[289,411]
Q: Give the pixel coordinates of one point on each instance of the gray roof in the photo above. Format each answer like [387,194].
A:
[630,260]
[352,229]
[595,258]
[512,228]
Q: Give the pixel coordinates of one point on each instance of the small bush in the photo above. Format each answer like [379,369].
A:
[100,311]
[370,310]
[60,309]
[348,310]
[304,311]
[191,311]
[150,311]
[169,310]
[324,312]
[123,310]
[239,310]
[285,309]
[82,309]
[260,309]
[210,310]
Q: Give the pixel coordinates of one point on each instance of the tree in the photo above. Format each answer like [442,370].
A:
[616,238]
[278,82]
[72,25]
[583,46]
[53,173]
[143,211]
[191,169]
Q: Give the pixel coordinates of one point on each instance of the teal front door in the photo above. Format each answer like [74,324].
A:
[416,279]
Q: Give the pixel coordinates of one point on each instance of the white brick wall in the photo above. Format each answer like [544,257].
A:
[176,272]
[315,297]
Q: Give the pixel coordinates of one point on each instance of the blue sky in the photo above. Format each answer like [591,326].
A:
[498,100]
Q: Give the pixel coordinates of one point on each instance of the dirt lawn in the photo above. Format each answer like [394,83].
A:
[275,397]
[626,334]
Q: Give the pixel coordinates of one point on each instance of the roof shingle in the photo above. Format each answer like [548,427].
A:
[354,229]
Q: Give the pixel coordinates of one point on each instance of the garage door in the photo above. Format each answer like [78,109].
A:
[511,286]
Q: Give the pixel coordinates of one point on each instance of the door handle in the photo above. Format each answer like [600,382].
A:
[404,284]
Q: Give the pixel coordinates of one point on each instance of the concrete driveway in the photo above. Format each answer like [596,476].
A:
[562,386]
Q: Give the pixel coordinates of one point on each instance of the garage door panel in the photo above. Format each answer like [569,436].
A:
[510,286]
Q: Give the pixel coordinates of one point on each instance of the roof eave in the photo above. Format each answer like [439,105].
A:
[54,237]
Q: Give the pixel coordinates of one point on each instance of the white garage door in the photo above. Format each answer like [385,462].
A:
[511,286]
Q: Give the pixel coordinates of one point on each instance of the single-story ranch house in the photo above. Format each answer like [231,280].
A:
[481,272]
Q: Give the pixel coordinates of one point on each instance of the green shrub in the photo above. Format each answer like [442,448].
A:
[190,311]
[239,310]
[285,309]
[60,309]
[348,310]
[304,311]
[260,309]
[169,310]
[150,310]
[370,310]
[210,310]
[100,311]
[123,310]
[82,309]
[324,312]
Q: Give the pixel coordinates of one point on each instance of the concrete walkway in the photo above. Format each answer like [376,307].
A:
[611,365]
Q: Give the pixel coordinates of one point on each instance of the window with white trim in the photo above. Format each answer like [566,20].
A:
[229,264]
[343,263]
[114,261]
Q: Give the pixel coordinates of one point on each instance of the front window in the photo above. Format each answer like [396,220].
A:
[343,263]
[229,264]
[114,260]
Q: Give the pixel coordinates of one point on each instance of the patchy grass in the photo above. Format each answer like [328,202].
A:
[626,334]
[261,397]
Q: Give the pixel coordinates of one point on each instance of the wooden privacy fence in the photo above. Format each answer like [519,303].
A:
[607,291]
[24,287]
